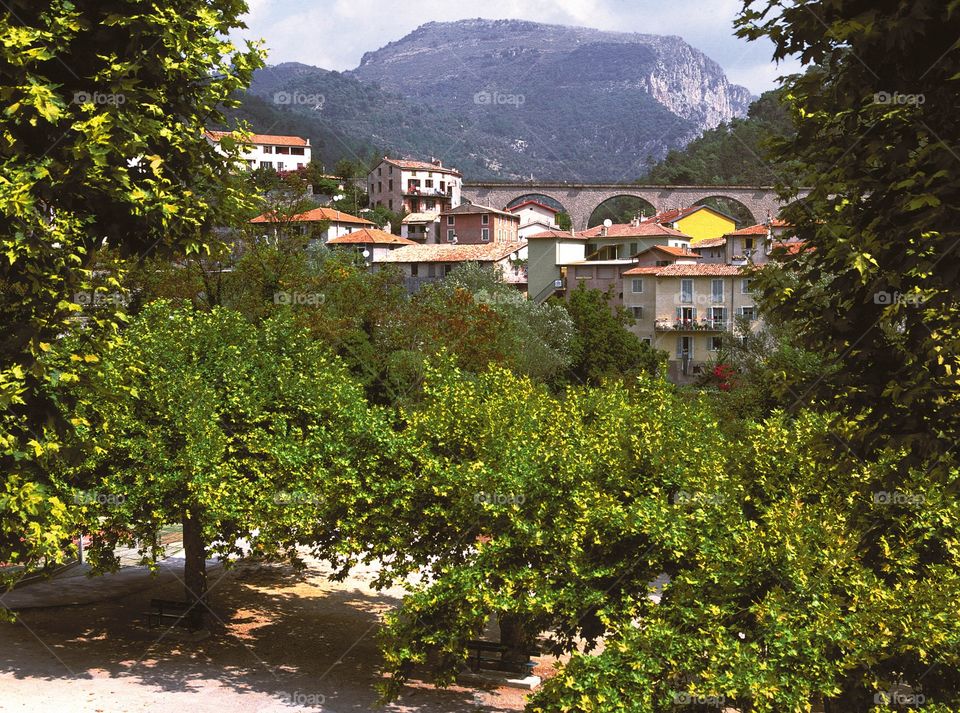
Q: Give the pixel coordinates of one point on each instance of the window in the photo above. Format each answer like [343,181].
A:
[686,291]
[297,151]
[647,340]
[443,186]
[390,204]
[684,347]
[268,149]
[718,317]
[390,185]
[637,312]
[447,269]
[716,290]
[714,344]
[390,170]
[451,220]
[748,244]
[371,188]
[379,170]
[414,269]
[285,150]
[633,249]
[428,184]
[636,285]
[451,234]
[266,164]
[379,186]
[745,286]
[686,315]
[747,313]
[583,273]
[485,219]
[485,234]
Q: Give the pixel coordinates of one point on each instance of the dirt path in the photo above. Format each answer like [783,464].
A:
[281,642]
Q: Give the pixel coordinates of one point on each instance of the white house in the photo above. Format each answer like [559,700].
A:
[422,264]
[535,217]
[338,222]
[282,153]
[371,243]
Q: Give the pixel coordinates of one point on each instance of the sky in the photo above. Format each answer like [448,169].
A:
[334,34]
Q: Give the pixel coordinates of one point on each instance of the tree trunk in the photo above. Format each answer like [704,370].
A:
[518,635]
[194,569]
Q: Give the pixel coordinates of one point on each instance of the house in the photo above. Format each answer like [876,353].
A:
[556,254]
[700,222]
[688,310]
[421,227]
[663,255]
[337,223]
[535,217]
[423,264]
[404,185]
[470,224]
[371,243]
[753,243]
[281,153]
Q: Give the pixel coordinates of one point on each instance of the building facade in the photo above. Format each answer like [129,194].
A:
[281,153]
[478,224]
[403,185]
[424,264]
[323,224]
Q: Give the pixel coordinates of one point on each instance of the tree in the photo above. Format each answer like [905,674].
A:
[241,464]
[603,346]
[103,146]
[876,139]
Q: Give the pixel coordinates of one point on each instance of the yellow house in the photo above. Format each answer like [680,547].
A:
[700,222]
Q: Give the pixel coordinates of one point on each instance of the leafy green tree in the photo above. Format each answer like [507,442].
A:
[240,463]
[876,138]
[103,145]
[603,346]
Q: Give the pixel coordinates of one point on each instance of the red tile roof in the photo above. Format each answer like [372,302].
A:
[709,243]
[792,247]
[557,235]
[408,165]
[760,228]
[275,140]
[671,250]
[452,253]
[674,214]
[518,206]
[645,229]
[311,216]
[686,270]
[366,236]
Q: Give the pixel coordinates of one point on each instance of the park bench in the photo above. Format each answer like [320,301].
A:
[175,613]
[489,655]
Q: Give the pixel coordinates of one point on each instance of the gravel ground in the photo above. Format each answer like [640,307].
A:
[280,642]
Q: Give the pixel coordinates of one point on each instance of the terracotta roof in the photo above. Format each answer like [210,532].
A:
[409,165]
[518,206]
[367,236]
[477,209]
[557,235]
[671,250]
[645,270]
[686,270]
[709,243]
[674,214]
[760,228]
[273,139]
[644,229]
[491,252]
[791,247]
[420,218]
[310,216]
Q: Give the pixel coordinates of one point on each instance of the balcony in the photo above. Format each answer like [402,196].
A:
[692,325]
[426,192]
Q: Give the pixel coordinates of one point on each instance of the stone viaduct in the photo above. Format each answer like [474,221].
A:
[581,199]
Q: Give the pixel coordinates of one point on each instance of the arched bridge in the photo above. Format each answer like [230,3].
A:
[581,199]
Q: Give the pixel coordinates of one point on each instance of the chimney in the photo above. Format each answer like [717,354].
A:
[603,232]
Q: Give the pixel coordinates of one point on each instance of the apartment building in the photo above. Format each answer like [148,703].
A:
[403,185]
[688,309]
[281,153]
[470,224]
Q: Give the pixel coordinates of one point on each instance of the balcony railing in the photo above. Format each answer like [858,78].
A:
[693,325]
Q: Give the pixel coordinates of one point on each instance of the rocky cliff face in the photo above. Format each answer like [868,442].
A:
[511,100]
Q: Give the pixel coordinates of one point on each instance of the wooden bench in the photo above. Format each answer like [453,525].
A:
[489,655]
[176,613]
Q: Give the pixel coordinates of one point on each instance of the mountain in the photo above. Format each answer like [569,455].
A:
[508,99]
